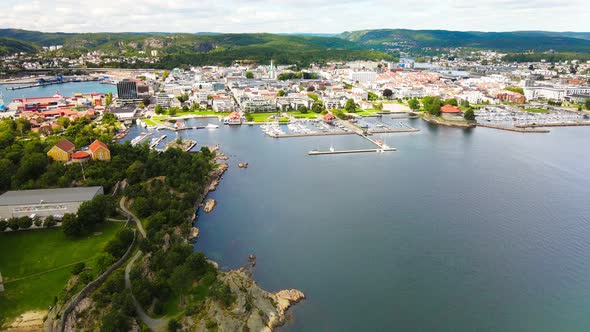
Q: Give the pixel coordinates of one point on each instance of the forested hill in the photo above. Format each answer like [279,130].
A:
[9,45]
[204,49]
[504,41]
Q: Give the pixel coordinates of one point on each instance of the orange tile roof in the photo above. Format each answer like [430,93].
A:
[450,109]
[96,144]
[65,145]
[80,155]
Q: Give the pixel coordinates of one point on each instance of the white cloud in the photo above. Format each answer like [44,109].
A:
[292,16]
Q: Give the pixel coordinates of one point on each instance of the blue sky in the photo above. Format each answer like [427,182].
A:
[284,16]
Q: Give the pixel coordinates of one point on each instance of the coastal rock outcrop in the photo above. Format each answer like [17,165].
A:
[254,309]
[209,205]
[194,233]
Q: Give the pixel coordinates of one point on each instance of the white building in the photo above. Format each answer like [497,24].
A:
[363,76]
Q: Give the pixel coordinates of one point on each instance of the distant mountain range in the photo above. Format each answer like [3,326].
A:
[300,48]
[516,41]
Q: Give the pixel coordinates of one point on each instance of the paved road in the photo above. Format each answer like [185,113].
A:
[137,221]
[154,324]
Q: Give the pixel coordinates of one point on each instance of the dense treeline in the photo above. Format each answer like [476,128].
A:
[548,57]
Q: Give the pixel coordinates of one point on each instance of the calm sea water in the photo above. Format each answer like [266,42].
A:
[67,89]
[459,230]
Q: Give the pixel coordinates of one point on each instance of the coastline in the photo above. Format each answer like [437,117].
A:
[272,307]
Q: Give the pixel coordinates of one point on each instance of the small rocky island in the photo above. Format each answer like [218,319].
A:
[209,205]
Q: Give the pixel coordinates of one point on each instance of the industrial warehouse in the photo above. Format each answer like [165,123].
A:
[45,202]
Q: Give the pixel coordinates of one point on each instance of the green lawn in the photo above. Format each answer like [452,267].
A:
[536,110]
[299,115]
[262,117]
[208,112]
[29,254]
[149,122]
[368,112]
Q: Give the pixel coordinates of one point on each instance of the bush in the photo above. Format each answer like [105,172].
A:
[13,223]
[50,222]
[25,222]
[85,277]
[78,268]
[174,325]
[37,221]
[3,225]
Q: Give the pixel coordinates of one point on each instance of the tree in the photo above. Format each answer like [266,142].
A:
[414,104]
[135,172]
[78,268]
[281,93]
[387,93]
[311,89]
[379,106]
[108,99]
[63,121]
[146,101]
[173,325]
[249,75]
[432,105]
[469,115]
[158,109]
[172,111]
[302,109]
[350,105]
[3,225]
[70,224]
[180,280]
[451,101]
[108,118]
[165,74]
[587,104]
[372,96]
[317,108]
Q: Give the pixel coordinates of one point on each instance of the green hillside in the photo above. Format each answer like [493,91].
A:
[10,46]
[503,41]
[205,49]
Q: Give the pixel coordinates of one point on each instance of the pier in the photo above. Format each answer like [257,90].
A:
[553,124]
[518,130]
[314,152]
[157,141]
[381,147]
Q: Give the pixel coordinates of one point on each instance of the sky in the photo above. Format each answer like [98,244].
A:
[286,16]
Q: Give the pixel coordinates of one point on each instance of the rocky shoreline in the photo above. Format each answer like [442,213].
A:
[255,309]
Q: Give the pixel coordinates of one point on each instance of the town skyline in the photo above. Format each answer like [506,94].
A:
[279,16]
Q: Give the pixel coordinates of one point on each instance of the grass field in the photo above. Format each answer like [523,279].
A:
[536,110]
[263,117]
[26,257]
[299,115]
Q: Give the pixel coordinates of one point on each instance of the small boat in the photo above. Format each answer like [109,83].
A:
[211,126]
[331,149]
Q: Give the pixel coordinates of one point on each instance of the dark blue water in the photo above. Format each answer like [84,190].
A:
[67,90]
[459,230]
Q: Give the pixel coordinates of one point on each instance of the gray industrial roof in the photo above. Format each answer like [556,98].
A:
[62,195]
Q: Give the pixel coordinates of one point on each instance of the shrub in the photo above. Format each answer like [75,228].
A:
[25,222]
[174,325]
[78,268]
[50,222]
[3,225]
[13,224]
[37,221]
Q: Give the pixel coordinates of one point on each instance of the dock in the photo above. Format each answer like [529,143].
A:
[315,152]
[553,124]
[514,129]
[157,141]
[381,147]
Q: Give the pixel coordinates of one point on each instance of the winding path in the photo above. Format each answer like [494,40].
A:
[154,324]
[131,215]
